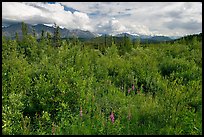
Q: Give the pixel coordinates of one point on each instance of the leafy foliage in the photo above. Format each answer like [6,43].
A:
[74,88]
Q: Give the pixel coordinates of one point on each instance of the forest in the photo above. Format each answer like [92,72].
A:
[54,86]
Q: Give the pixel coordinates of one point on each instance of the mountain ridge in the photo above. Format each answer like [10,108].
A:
[9,31]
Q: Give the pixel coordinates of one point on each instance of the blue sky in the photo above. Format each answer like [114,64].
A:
[148,18]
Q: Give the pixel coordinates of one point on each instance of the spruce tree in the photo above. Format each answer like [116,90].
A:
[24,29]
[137,43]
[34,33]
[42,34]
[57,38]
[16,37]
[105,40]
[127,43]
[49,37]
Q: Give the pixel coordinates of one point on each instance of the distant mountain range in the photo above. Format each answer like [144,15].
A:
[144,38]
[10,31]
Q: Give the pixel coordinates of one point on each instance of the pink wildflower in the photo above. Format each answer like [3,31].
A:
[112,117]
[133,87]
[129,115]
[128,90]
[80,112]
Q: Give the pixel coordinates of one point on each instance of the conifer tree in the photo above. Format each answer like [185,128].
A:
[137,43]
[23,44]
[127,43]
[49,37]
[105,40]
[57,38]
[16,37]
[42,34]
[24,29]
[34,33]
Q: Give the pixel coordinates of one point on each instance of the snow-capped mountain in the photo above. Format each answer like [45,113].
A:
[9,31]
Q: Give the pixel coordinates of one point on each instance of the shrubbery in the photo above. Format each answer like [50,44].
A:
[73,89]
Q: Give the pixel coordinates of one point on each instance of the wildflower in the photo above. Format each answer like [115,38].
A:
[128,90]
[80,112]
[53,128]
[133,87]
[129,115]
[93,98]
[112,117]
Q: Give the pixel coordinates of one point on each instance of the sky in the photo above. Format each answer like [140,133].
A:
[144,18]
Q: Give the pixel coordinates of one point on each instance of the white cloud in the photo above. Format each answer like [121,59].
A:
[38,12]
[82,19]
[112,17]
[114,26]
[148,17]
[18,11]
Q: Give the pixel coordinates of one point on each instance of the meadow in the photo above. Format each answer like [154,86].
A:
[76,89]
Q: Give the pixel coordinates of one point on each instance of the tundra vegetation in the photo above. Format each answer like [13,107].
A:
[64,87]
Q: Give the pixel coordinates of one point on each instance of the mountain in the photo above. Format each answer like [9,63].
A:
[82,34]
[132,37]
[190,37]
[145,38]
[175,37]
[160,38]
[11,30]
